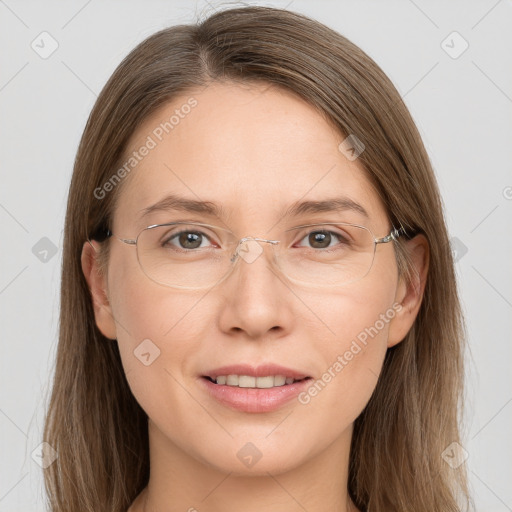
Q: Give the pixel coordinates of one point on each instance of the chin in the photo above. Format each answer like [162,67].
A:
[257,455]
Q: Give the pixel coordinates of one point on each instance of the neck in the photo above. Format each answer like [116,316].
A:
[179,482]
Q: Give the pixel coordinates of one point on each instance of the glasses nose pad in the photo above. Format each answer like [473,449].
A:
[250,249]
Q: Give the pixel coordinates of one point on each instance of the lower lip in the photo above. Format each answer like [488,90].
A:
[255,400]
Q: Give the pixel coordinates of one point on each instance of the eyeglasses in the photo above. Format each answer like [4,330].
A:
[193,255]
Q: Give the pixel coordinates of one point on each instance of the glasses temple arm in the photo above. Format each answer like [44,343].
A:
[395,233]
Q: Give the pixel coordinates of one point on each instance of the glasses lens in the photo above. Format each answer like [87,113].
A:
[330,255]
[195,256]
[183,255]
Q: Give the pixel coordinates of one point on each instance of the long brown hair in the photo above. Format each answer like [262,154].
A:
[93,420]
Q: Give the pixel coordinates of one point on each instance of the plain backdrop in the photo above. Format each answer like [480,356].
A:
[451,61]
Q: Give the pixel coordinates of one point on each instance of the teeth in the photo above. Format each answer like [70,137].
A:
[266,382]
[247,381]
[280,380]
[232,380]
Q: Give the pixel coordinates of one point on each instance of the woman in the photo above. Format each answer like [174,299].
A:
[259,307]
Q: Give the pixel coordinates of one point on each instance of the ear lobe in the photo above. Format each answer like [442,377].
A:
[410,295]
[97,283]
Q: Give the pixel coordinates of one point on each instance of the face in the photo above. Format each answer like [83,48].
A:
[255,150]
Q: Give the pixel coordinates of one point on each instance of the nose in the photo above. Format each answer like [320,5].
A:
[256,300]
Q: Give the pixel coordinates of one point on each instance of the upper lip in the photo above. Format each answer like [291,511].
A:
[262,370]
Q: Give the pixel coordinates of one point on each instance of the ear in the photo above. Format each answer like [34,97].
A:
[98,287]
[410,295]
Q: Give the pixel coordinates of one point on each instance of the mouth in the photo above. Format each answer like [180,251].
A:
[254,390]
[250,381]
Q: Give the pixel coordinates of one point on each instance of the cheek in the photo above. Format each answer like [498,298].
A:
[354,326]
[346,314]
[158,334]
[144,309]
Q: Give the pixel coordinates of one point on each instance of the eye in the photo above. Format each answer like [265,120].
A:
[187,240]
[322,238]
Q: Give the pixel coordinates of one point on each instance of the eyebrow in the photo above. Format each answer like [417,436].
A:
[178,203]
[335,204]
[174,202]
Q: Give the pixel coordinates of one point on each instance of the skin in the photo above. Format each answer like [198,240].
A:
[254,149]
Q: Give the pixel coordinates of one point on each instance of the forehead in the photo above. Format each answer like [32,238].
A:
[252,149]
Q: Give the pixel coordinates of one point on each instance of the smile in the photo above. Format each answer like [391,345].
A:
[249,381]
[261,389]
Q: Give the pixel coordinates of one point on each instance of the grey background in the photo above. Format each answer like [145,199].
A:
[461,105]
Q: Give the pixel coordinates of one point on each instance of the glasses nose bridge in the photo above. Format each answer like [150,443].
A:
[257,239]
[248,257]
